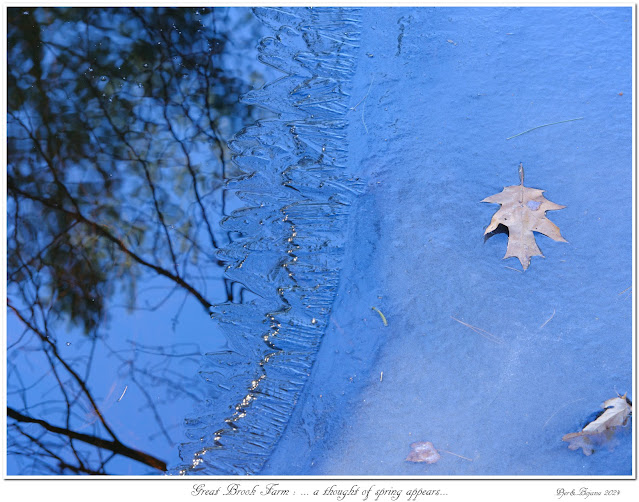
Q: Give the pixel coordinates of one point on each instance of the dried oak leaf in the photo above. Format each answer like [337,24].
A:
[615,414]
[523,211]
[423,451]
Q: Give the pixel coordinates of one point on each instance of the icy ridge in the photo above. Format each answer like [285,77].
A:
[297,194]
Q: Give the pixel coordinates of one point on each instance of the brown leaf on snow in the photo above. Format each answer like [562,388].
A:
[423,451]
[523,211]
[615,414]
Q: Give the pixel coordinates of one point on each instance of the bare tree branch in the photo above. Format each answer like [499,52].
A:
[102,230]
[114,446]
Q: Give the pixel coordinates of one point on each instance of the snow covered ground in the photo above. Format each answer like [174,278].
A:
[436,95]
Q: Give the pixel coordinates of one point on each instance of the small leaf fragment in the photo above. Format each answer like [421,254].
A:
[615,414]
[423,451]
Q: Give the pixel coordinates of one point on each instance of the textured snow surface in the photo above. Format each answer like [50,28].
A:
[393,126]
[449,85]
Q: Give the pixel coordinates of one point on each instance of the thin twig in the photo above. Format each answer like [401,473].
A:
[460,456]
[364,105]
[123,392]
[381,315]
[548,320]
[102,230]
[354,108]
[561,408]
[545,125]
[47,341]
[515,269]
[480,331]
[597,17]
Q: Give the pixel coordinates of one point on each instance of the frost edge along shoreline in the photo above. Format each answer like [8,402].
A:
[298,194]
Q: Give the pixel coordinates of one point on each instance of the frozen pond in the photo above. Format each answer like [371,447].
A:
[357,308]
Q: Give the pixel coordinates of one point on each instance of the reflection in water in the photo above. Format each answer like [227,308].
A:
[117,129]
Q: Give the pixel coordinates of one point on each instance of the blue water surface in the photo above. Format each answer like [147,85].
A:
[338,240]
[444,89]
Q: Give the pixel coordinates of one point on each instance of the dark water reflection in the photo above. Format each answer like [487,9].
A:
[117,128]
